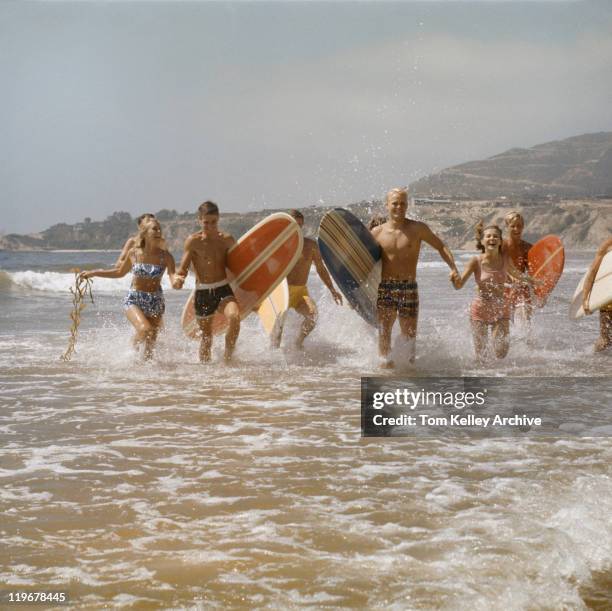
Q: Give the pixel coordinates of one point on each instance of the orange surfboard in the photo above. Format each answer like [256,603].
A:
[256,264]
[546,259]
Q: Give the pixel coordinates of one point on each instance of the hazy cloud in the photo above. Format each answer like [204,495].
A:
[140,107]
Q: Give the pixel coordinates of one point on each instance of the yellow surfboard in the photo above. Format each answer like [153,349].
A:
[273,310]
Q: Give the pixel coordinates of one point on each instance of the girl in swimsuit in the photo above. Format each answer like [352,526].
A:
[491,307]
[144,303]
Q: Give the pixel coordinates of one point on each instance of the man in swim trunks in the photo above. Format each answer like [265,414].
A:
[207,252]
[400,239]
[299,299]
[131,242]
[605,313]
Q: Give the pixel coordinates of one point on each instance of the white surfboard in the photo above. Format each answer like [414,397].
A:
[601,295]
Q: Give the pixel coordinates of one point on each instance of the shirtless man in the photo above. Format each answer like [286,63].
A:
[207,252]
[519,294]
[400,239]
[131,242]
[299,299]
[605,313]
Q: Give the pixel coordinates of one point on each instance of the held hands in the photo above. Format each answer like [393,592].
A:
[455,279]
[336,295]
[178,281]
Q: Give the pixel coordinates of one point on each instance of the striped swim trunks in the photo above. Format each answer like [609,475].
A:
[399,295]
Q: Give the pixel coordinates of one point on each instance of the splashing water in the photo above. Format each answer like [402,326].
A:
[175,484]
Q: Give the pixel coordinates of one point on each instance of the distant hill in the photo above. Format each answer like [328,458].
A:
[111,233]
[535,181]
[581,223]
[576,167]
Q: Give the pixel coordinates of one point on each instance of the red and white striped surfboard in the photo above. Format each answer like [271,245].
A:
[256,264]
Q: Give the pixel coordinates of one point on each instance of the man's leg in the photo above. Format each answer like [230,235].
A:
[408,312]
[205,325]
[386,319]
[308,310]
[232,313]
[408,327]
[605,330]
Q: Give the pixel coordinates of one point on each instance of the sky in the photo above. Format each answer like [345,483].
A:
[140,106]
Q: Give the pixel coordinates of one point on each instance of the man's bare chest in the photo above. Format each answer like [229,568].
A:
[209,250]
[399,243]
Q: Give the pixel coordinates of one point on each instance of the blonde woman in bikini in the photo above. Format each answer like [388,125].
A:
[144,304]
[491,308]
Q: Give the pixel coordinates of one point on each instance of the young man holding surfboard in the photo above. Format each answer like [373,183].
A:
[207,252]
[299,299]
[605,312]
[400,240]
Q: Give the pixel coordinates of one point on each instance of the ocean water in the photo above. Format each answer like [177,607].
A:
[171,484]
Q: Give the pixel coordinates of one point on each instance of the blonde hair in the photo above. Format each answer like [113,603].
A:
[480,231]
[401,191]
[141,238]
[513,215]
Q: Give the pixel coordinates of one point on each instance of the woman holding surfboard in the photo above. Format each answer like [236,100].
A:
[518,293]
[491,308]
[543,261]
[605,311]
[144,304]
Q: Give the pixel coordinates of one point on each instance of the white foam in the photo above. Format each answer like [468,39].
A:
[58,282]
[184,453]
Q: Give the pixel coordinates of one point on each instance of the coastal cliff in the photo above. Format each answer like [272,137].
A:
[562,187]
[582,224]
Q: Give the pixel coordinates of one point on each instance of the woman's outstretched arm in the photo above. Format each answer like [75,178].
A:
[115,272]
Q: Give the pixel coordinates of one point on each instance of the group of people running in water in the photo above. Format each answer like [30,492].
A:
[504,286]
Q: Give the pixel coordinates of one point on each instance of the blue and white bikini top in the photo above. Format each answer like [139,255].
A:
[150,271]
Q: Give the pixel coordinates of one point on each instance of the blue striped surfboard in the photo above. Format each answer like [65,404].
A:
[353,258]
